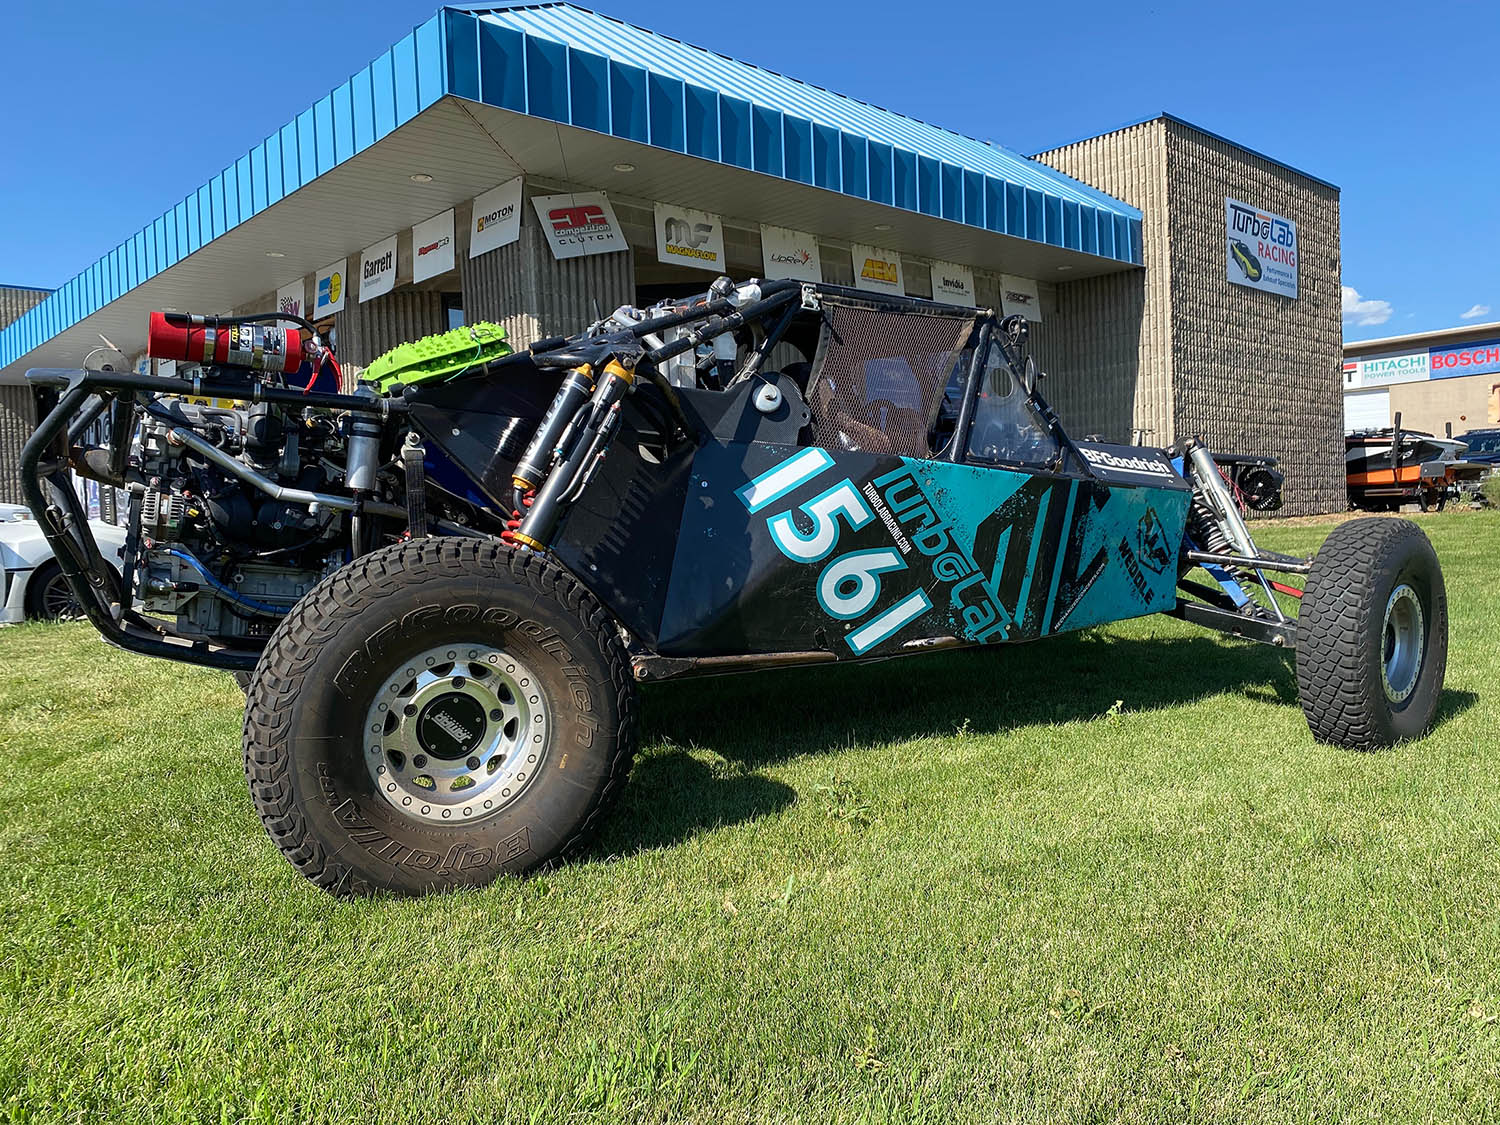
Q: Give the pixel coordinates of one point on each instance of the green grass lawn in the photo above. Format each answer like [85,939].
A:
[1105,877]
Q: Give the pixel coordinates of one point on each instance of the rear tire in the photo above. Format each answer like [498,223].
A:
[436,714]
[1372,636]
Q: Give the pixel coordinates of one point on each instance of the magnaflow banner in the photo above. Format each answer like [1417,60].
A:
[1261,249]
[686,237]
[579,223]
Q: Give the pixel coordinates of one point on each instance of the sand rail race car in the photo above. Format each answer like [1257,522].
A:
[449,583]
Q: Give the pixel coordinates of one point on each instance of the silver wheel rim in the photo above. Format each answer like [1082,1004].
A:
[1402,640]
[456,733]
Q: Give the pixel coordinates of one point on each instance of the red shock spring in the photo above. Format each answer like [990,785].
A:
[513,524]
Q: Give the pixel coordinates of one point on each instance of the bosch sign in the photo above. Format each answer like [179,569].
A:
[1482,358]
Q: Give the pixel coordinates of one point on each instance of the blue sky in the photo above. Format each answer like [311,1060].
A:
[113,115]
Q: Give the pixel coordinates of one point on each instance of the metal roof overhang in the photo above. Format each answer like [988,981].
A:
[429,105]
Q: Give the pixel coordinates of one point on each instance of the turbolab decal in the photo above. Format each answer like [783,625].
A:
[1260,249]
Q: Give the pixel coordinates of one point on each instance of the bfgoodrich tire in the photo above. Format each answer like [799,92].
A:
[436,714]
[1372,635]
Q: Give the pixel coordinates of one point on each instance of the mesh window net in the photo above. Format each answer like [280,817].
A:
[877,382]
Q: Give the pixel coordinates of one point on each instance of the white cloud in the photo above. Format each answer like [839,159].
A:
[1475,312]
[1364,311]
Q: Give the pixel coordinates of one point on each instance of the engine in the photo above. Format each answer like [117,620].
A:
[230,536]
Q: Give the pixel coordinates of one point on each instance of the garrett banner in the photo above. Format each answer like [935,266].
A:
[377,269]
[689,238]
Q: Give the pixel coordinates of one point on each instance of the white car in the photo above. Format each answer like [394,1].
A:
[34,586]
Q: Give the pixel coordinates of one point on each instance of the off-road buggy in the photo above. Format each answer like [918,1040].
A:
[448,584]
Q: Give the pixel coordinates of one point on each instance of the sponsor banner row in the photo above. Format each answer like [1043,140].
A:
[578,224]
[1453,361]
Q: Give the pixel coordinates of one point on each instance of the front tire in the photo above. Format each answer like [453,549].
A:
[1372,635]
[437,714]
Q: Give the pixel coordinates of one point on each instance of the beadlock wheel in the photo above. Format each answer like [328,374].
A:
[457,734]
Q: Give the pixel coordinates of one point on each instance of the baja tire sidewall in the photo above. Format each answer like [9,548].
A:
[327,743]
[1341,634]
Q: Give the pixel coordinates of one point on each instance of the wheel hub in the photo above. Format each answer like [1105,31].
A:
[1404,640]
[456,733]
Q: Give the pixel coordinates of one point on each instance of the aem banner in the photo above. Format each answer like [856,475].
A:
[1260,249]
[1385,370]
[291,297]
[877,270]
[497,218]
[1019,297]
[1457,360]
[686,237]
[953,284]
[432,246]
[377,269]
[328,290]
[578,224]
[790,253]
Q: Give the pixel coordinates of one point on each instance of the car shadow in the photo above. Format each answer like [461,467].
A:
[761,718]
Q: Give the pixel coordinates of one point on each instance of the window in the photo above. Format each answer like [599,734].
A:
[1007,430]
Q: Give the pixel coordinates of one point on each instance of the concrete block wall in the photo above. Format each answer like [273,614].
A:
[17,407]
[1256,372]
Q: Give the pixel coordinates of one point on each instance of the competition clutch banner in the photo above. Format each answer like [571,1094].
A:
[497,218]
[790,254]
[291,297]
[877,270]
[689,238]
[1018,297]
[1260,249]
[328,290]
[377,269]
[432,246]
[953,284]
[579,223]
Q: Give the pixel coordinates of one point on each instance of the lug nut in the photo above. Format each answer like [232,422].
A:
[410,709]
[496,715]
[419,761]
[458,681]
[472,763]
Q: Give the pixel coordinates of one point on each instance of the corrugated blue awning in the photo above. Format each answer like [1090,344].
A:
[576,66]
[562,63]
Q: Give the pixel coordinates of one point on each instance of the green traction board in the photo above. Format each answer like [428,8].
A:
[437,357]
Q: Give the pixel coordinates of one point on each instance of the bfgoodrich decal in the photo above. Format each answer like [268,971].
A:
[579,223]
[1260,249]
[497,218]
[686,237]
[377,269]
[432,246]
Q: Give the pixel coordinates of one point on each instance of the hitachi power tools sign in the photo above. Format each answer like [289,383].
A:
[1260,249]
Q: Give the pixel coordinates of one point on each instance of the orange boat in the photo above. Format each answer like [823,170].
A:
[1387,468]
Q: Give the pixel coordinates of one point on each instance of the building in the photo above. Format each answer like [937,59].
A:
[1434,380]
[541,164]
[17,413]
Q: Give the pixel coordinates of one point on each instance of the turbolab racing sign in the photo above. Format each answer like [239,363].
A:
[1261,249]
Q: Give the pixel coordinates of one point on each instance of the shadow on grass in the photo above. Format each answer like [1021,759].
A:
[761,718]
[767,717]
